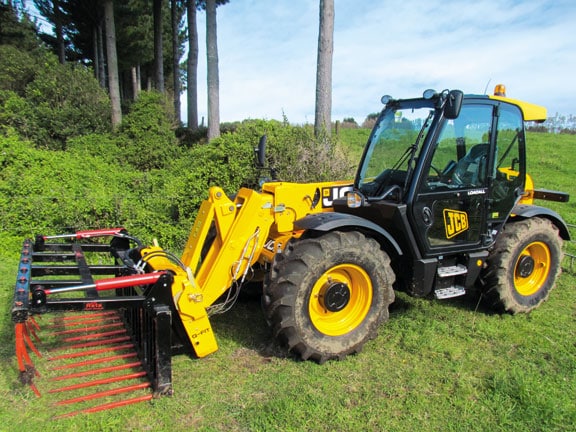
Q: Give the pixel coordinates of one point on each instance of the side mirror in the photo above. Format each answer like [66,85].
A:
[453,104]
[261,152]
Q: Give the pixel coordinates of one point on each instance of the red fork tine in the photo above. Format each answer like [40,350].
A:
[29,328]
[25,365]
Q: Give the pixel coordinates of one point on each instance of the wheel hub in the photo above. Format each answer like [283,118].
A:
[336,296]
[525,266]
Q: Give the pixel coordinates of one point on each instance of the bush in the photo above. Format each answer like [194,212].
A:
[89,185]
[16,113]
[348,123]
[103,145]
[295,153]
[370,120]
[55,190]
[47,102]
[191,137]
[228,161]
[17,69]
[67,101]
[146,136]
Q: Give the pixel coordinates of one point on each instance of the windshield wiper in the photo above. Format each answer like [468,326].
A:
[412,149]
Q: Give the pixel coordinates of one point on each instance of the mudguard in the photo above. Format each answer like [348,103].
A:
[530,211]
[325,222]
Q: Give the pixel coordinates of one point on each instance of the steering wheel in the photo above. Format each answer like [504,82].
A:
[436,170]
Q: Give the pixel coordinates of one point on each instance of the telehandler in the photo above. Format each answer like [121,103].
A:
[441,205]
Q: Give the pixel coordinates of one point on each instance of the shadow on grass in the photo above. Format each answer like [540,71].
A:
[245,326]
[472,301]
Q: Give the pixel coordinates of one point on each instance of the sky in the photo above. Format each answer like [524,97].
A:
[267,54]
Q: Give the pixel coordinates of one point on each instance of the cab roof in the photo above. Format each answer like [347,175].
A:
[530,112]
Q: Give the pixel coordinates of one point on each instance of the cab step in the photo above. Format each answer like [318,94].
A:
[449,292]
[451,271]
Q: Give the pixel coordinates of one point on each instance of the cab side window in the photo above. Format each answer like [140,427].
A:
[460,158]
[508,177]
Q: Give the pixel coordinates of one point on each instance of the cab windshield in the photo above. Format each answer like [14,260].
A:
[392,148]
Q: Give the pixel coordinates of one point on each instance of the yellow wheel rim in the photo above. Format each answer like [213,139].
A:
[532,268]
[340,300]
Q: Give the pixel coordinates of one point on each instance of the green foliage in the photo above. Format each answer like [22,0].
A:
[16,29]
[190,137]
[62,191]
[146,136]
[296,154]
[228,161]
[354,140]
[104,146]
[225,162]
[370,120]
[47,102]
[67,102]
[17,114]
[133,32]
[139,177]
[17,70]
[44,191]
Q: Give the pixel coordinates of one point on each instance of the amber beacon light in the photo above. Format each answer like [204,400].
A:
[500,90]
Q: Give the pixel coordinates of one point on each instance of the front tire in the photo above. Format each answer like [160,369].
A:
[523,267]
[326,296]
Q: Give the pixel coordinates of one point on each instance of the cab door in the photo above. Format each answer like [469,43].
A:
[451,201]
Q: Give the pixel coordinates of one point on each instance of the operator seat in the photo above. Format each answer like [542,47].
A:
[471,170]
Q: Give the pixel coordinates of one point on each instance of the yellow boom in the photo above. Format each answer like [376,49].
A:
[248,229]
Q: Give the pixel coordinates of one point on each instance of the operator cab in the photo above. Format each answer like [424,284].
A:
[446,167]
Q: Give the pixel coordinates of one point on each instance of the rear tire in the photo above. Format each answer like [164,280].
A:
[523,267]
[326,296]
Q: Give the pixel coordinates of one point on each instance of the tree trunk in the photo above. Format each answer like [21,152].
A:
[95,58]
[135,86]
[112,63]
[322,121]
[192,66]
[101,62]
[59,32]
[158,53]
[175,61]
[213,80]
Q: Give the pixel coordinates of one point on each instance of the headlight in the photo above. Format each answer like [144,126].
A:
[354,200]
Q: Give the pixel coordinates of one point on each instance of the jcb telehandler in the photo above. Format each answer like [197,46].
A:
[441,205]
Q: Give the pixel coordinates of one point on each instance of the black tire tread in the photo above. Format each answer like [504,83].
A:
[498,286]
[283,285]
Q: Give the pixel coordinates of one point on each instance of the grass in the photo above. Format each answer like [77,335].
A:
[439,366]
[355,140]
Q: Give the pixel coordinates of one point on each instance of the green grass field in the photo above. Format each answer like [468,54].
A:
[435,366]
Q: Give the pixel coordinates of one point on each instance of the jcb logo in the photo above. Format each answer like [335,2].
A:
[329,194]
[455,222]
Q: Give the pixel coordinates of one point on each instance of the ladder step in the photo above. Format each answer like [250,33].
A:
[446,293]
[450,271]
